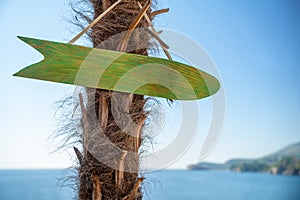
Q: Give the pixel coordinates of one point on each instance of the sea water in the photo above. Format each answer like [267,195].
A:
[161,185]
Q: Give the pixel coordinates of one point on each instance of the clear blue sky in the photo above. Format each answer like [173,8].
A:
[255,45]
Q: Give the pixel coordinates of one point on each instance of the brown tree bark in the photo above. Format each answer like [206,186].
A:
[109,111]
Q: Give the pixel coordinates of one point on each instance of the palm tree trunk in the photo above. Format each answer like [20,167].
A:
[97,181]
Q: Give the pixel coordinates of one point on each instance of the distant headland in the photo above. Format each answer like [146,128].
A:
[285,161]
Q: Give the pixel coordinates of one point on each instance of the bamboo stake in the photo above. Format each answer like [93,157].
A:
[94,22]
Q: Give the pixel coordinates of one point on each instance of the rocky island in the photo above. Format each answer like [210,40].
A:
[285,161]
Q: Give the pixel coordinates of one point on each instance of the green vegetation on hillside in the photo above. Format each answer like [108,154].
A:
[285,161]
[285,165]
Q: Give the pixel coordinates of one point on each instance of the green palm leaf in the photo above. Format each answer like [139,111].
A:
[123,72]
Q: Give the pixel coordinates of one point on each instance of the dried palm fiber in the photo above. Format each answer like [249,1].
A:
[119,116]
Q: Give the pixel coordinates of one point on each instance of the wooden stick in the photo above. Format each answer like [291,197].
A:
[139,17]
[97,193]
[137,134]
[84,121]
[146,17]
[120,171]
[135,189]
[103,112]
[124,42]
[157,12]
[78,155]
[162,43]
[157,36]
[168,54]
[94,22]
[84,117]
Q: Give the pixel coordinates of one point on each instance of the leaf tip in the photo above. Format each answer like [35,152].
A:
[24,39]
